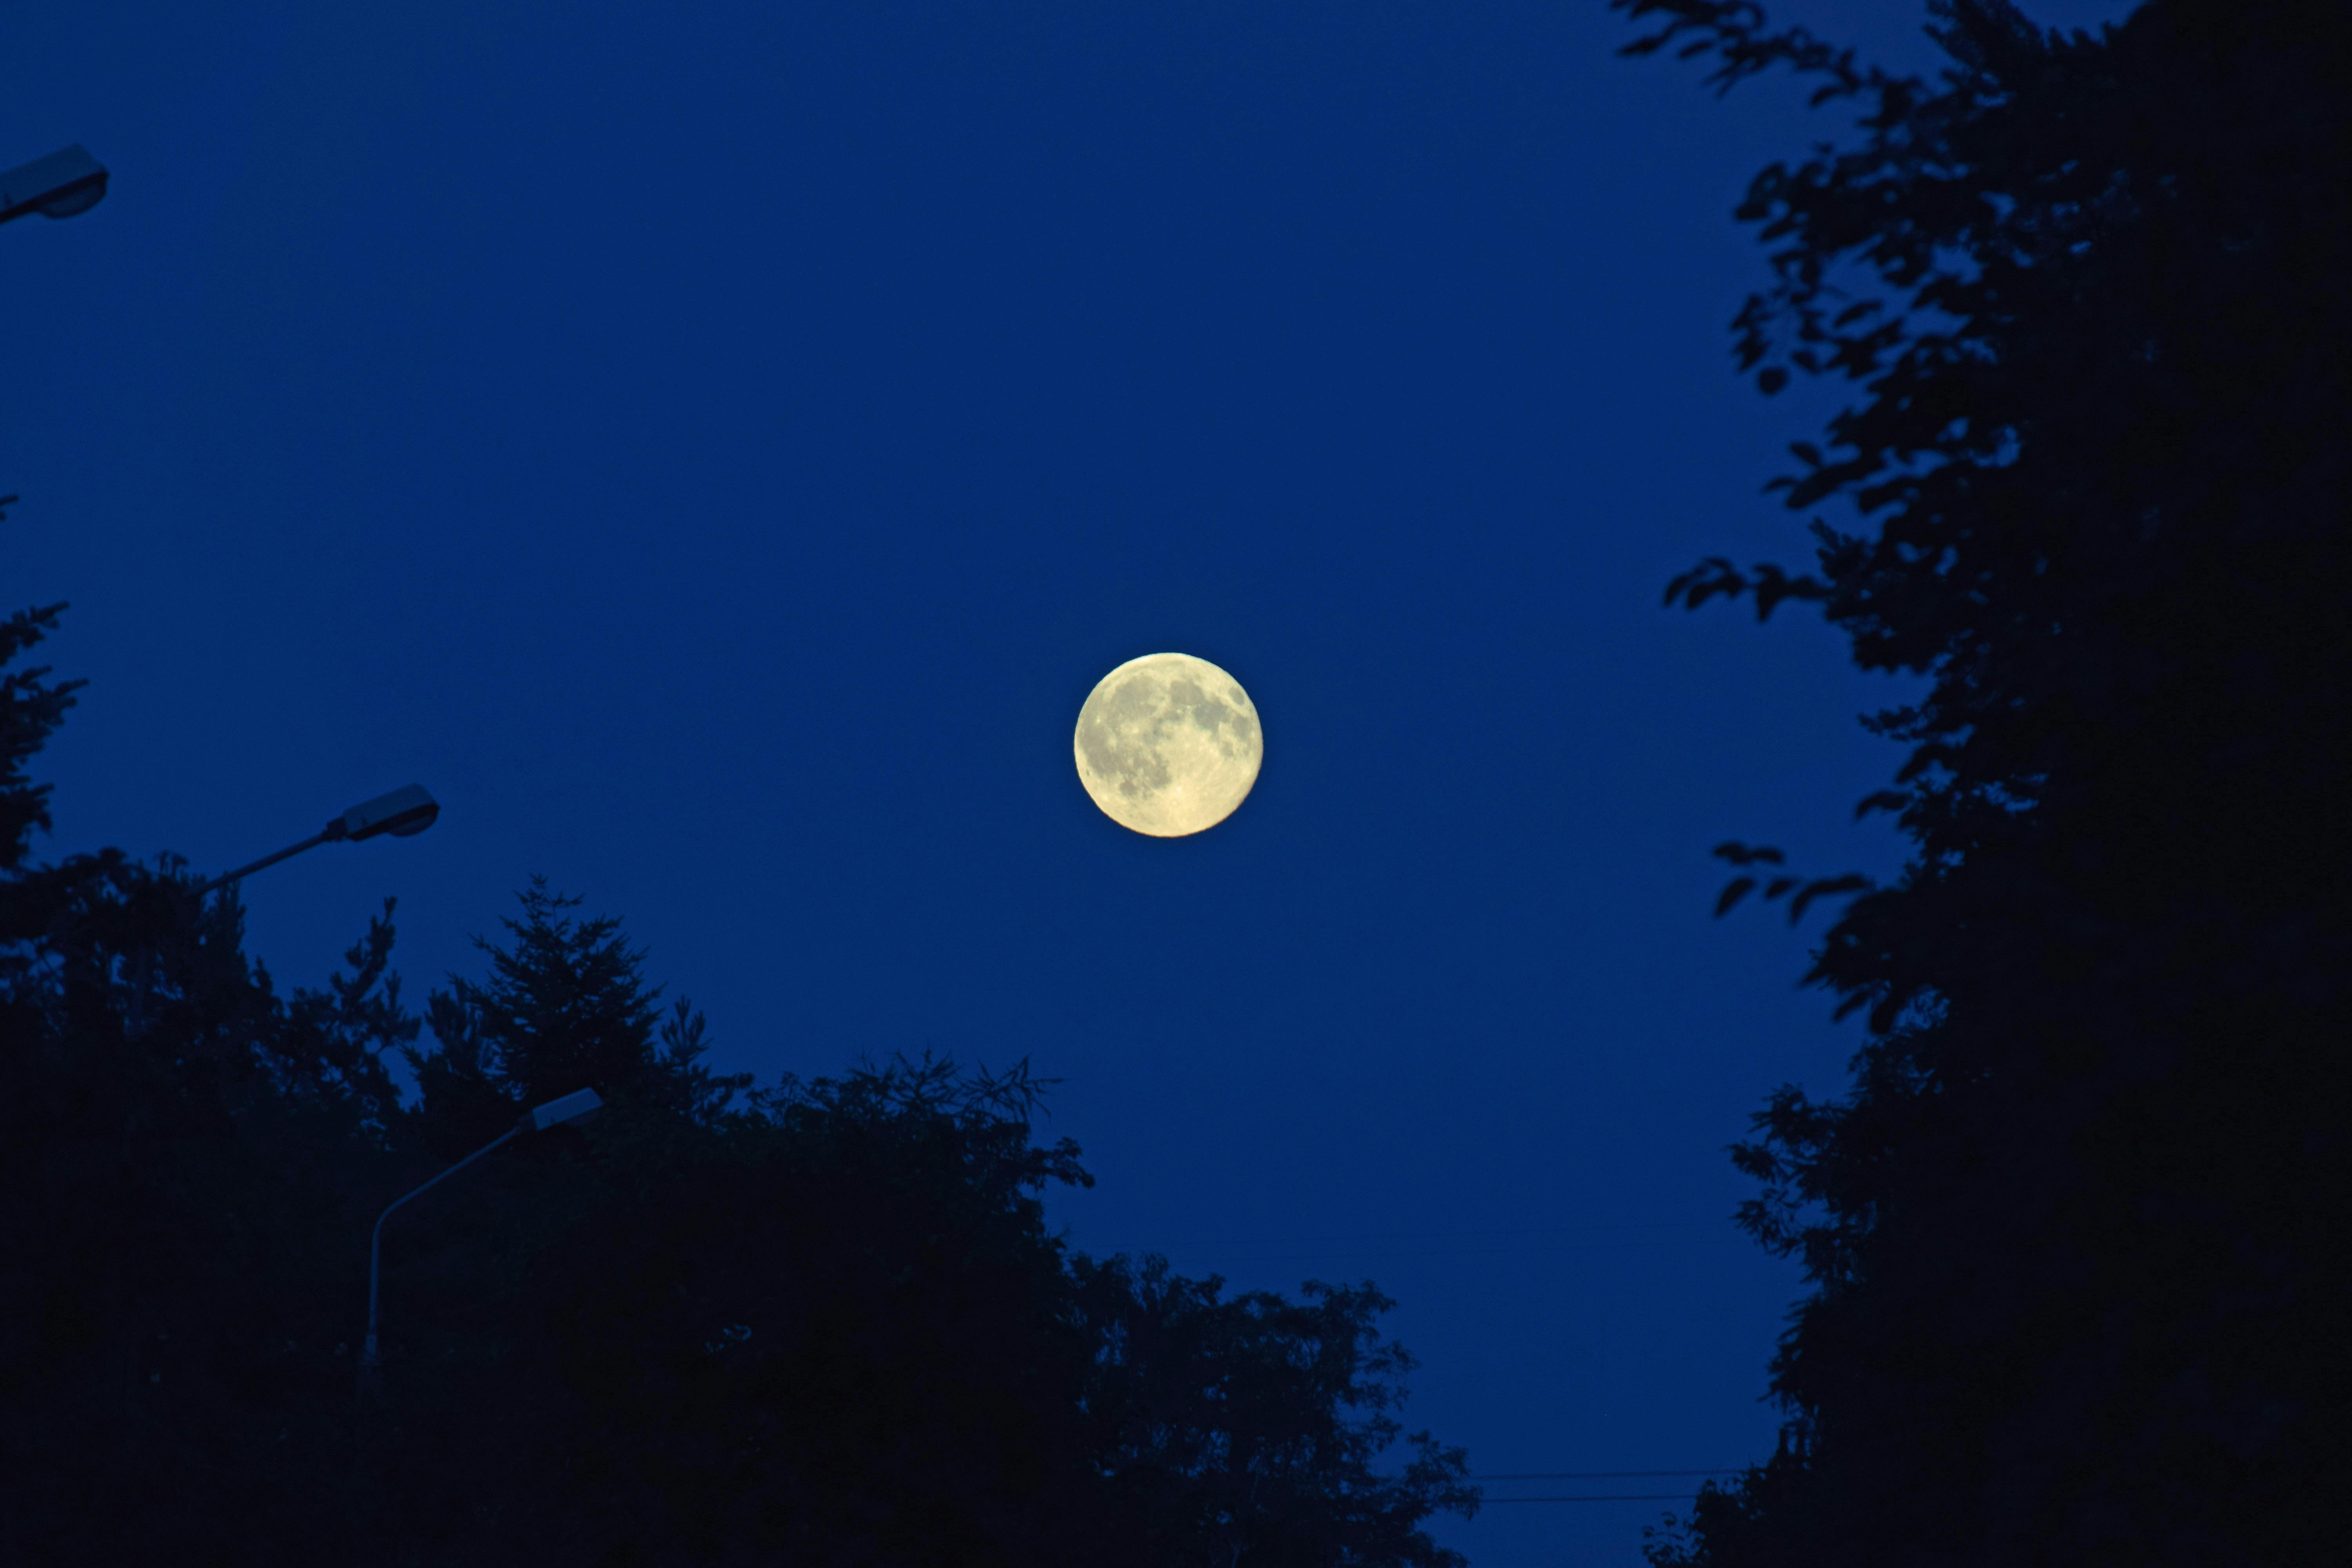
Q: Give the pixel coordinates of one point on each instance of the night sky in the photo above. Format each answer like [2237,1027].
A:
[717,448]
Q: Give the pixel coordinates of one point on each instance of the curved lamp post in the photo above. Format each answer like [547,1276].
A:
[402,813]
[577,1106]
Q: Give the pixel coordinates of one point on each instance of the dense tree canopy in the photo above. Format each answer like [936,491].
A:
[822,1322]
[2068,1233]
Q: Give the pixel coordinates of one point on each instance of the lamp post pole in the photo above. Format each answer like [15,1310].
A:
[575,1107]
[370,1363]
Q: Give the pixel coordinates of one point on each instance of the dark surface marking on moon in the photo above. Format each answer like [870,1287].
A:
[1213,713]
[1137,768]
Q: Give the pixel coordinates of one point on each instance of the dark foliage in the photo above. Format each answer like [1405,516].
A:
[564,1007]
[31,707]
[832,1328]
[2069,1231]
[179,1153]
[826,1325]
[1247,1428]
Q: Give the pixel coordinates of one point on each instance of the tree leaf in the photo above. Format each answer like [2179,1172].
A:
[1850,882]
[1882,800]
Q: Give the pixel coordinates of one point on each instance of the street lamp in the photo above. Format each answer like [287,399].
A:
[577,1106]
[67,182]
[402,813]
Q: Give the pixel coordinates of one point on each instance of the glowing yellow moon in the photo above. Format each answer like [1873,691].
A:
[1168,744]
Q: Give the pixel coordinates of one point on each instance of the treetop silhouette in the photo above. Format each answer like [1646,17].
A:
[2065,1231]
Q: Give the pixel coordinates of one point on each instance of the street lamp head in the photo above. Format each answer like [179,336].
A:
[577,1106]
[402,813]
[67,182]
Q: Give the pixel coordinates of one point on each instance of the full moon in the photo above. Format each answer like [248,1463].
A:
[1168,744]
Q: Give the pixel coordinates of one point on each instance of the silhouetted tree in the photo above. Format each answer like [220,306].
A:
[827,1326]
[832,1328]
[1245,1429]
[2069,1231]
[31,708]
[178,1145]
[564,1007]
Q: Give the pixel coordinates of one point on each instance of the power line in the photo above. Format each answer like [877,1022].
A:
[1621,1496]
[1596,1475]
[1452,1234]
[1394,1247]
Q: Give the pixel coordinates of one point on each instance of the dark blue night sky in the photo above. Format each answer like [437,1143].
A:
[715,448]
